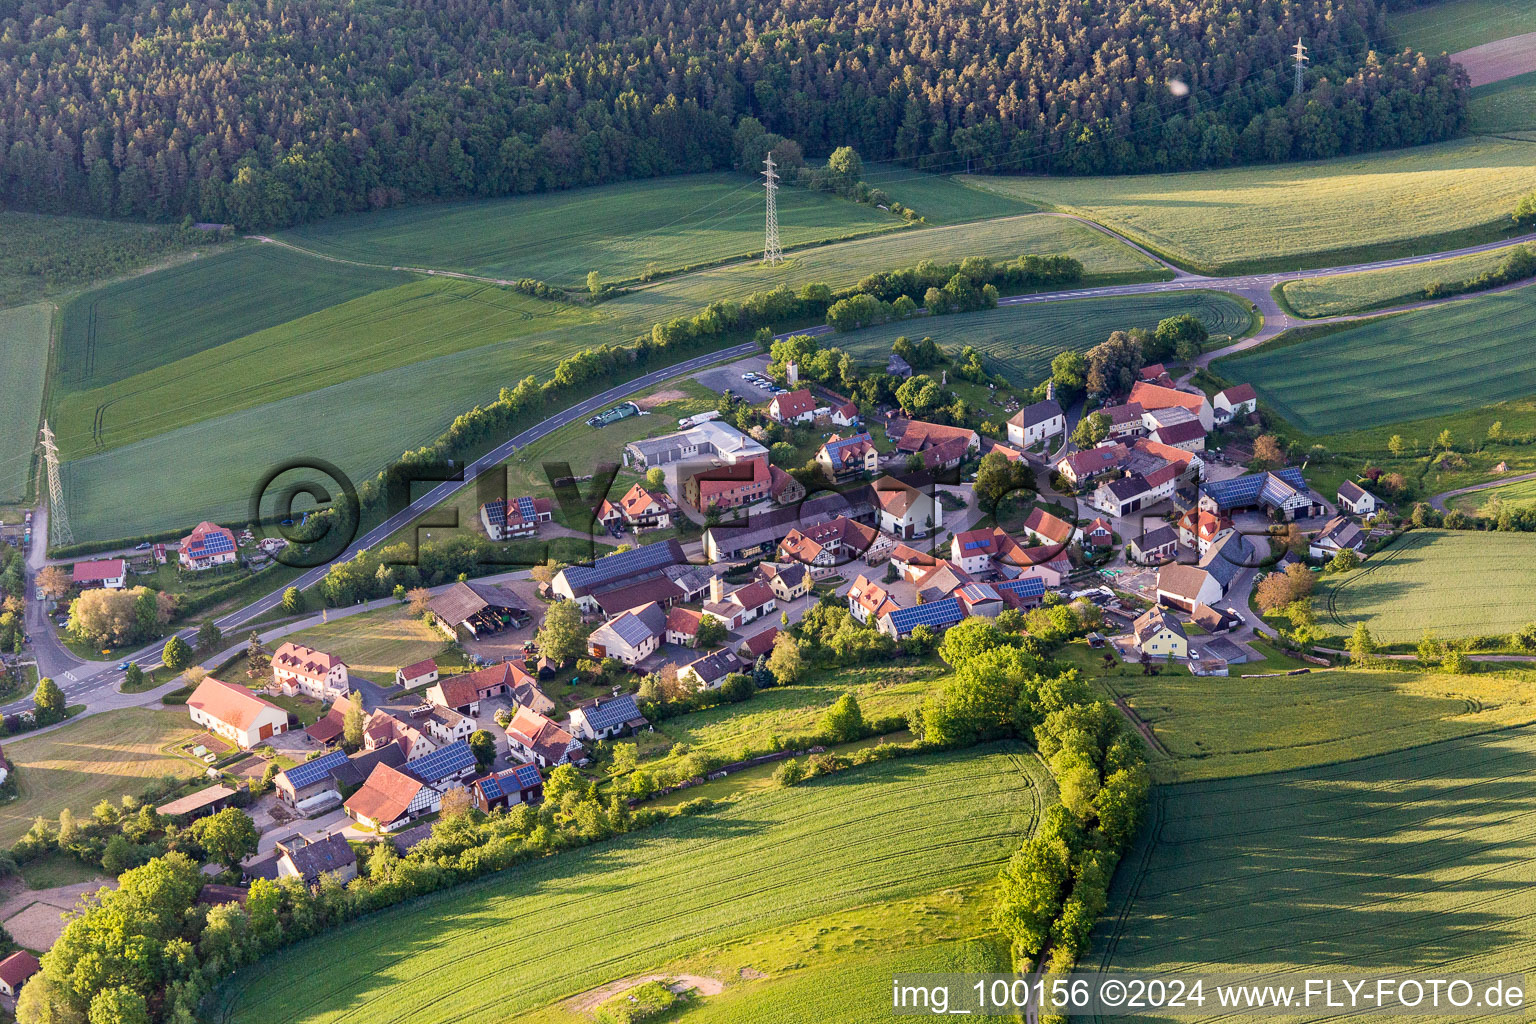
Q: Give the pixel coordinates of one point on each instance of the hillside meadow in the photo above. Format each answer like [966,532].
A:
[1323,213]
[871,836]
[1454,25]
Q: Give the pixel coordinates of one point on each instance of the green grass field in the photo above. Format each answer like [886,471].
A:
[1456,25]
[101,757]
[1454,584]
[24,337]
[383,330]
[1325,213]
[868,837]
[617,230]
[1516,495]
[373,644]
[1020,341]
[1416,861]
[1507,106]
[940,199]
[1410,366]
[1379,289]
[46,255]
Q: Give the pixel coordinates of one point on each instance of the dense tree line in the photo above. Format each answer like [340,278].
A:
[270,114]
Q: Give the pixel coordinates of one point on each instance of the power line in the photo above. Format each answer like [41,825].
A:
[1301,66]
[773,253]
[58,519]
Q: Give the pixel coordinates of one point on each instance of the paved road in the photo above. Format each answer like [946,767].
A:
[1439,500]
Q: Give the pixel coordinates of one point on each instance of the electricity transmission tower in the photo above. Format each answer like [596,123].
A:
[58,519]
[1301,66]
[773,253]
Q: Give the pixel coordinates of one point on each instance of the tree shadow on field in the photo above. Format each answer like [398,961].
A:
[1403,861]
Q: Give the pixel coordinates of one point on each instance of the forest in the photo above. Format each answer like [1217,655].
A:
[272,112]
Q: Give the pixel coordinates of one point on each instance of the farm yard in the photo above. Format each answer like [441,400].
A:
[875,835]
[617,230]
[1341,294]
[24,334]
[96,758]
[1325,213]
[1451,583]
[1019,342]
[1415,860]
[1409,366]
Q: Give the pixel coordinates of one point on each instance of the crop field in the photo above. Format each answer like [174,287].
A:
[24,336]
[797,710]
[617,230]
[145,322]
[940,199]
[1506,106]
[382,330]
[1521,494]
[1430,362]
[879,834]
[1020,341]
[1416,861]
[1378,289]
[1451,583]
[1454,25]
[1323,213]
[82,763]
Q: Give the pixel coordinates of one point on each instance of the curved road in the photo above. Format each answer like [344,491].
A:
[1439,500]
[77,676]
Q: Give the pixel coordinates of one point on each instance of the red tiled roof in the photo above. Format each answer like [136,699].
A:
[895,496]
[469,687]
[1155,396]
[779,481]
[233,705]
[920,435]
[762,643]
[304,661]
[540,734]
[1240,393]
[949,450]
[421,668]
[1179,433]
[102,569]
[1051,527]
[793,404]
[331,725]
[724,479]
[753,595]
[637,499]
[18,967]
[385,796]
[683,620]
[192,546]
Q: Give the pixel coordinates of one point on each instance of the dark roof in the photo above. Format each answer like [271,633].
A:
[659,589]
[1179,433]
[456,757]
[463,601]
[311,772]
[1032,415]
[1353,492]
[518,779]
[354,772]
[613,711]
[616,567]
[1242,491]
[1127,487]
[715,665]
[214,794]
[331,725]
[1154,539]
[329,854]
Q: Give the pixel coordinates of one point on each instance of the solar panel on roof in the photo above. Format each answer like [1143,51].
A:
[217,544]
[310,772]
[937,613]
[525,508]
[631,629]
[1029,586]
[491,787]
[527,775]
[496,512]
[441,763]
[613,712]
[624,563]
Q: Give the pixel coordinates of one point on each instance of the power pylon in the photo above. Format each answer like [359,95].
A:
[773,253]
[58,519]
[1301,66]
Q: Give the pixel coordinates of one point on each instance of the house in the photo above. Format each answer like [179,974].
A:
[1155,373]
[1160,635]
[1155,546]
[519,517]
[1082,466]
[794,407]
[979,599]
[208,545]
[1158,396]
[1125,421]
[683,626]
[1099,535]
[1214,620]
[905,511]
[350,774]
[660,588]
[444,768]
[606,718]
[298,669]
[783,488]
[789,581]
[520,784]
[940,582]
[742,605]
[1034,423]
[463,693]
[403,730]
[1282,490]
[630,636]
[639,509]
[1227,557]
[1199,529]
[580,583]
[235,713]
[897,366]
[1049,529]
[15,970]
[1338,534]
[944,455]
[973,550]
[1235,402]
[1357,499]
[296,856]
[868,601]
[1006,451]
[835,542]
[311,785]
[391,798]
[712,438]
[1015,561]
[1188,435]
[1023,593]
[911,563]
[918,436]
[108,573]
[329,727]
[843,457]
[473,610]
[1184,586]
[709,671]
[419,674]
[760,532]
[937,616]
[757,645]
[844,414]
[535,739]
[731,486]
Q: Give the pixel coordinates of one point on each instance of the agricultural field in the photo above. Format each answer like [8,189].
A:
[383,330]
[1506,106]
[864,838]
[1323,213]
[82,763]
[24,337]
[1019,342]
[1431,362]
[1417,860]
[46,255]
[1455,25]
[940,199]
[667,223]
[1521,494]
[1451,583]
[1340,294]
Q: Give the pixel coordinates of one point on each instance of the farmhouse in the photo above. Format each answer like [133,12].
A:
[638,509]
[521,784]
[471,610]
[940,582]
[740,606]
[683,626]
[606,718]
[662,589]
[937,616]
[758,644]
[789,581]
[869,601]
[844,414]
[235,713]
[1199,529]
[1235,403]
[1338,534]
[108,573]
[384,729]
[843,457]
[1184,586]
[297,856]
[905,511]
[298,669]
[534,739]
[783,488]
[520,517]
[979,599]
[973,550]
[1022,593]
[728,486]
[1188,435]
[711,438]
[1034,423]
[208,545]
[420,674]
[1085,465]
[463,693]
[15,970]
[1157,396]
[580,583]
[1159,634]
[1282,490]
[709,671]
[911,563]
[1357,499]
[1099,534]
[945,455]
[1125,421]
[1155,546]
[631,636]
[760,532]
[391,798]
[917,436]
[836,542]
[795,407]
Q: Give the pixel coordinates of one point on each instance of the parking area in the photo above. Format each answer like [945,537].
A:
[718,378]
